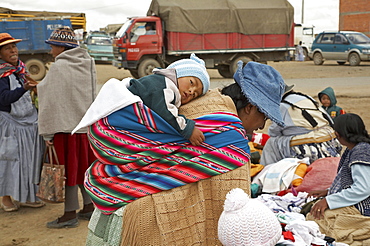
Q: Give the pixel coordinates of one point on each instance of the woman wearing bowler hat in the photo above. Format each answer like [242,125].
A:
[20,147]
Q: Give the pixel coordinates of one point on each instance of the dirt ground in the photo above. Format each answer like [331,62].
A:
[27,225]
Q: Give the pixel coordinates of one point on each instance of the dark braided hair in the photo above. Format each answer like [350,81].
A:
[235,92]
[351,128]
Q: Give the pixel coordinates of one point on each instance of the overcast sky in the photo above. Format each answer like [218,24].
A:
[323,14]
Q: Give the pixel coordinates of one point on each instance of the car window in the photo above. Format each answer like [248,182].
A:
[358,38]
[340,39]
[97,40]
[137,31]
[327,38]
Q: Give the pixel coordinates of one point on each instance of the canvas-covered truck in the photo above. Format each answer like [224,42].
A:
[34,28]
[221,32]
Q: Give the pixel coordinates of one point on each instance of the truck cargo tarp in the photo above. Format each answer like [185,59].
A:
[39,13]
[216,16]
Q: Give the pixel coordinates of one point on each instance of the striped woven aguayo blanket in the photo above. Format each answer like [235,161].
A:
[141,154]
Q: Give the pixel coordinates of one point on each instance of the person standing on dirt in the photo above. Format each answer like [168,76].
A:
[20,147]
[299,54]
[65,94]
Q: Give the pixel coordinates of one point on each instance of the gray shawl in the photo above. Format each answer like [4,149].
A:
[66,92]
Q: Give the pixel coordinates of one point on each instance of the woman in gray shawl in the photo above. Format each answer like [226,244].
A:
[64,96]
[20,147]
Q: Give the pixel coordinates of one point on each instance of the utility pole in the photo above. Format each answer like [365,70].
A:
[302,15]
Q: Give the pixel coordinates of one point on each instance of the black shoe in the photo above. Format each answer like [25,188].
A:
[67,224]
[84,216]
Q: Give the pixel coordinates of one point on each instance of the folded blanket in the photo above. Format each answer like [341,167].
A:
[278,176]
[346,225]
[113,96]
[141,154]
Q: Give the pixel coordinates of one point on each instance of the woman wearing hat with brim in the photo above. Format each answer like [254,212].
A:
[256,94]
[191,217]
[20,148]
[64,95]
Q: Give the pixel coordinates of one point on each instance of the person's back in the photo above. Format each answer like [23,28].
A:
[307,131]
[329,102]
[65,94]
[167,89]
[160,94]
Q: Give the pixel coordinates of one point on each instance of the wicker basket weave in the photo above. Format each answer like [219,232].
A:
[186,215]
[212,102]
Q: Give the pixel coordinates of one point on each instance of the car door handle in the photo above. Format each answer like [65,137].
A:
[154,42]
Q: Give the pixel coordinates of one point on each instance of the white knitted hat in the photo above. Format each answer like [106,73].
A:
[246,221]
[192,67]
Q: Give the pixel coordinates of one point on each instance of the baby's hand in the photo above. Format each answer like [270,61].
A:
[197,137]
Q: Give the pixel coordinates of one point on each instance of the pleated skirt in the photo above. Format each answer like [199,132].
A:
[21,151]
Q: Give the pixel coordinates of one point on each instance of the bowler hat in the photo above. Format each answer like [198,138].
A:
[6,38]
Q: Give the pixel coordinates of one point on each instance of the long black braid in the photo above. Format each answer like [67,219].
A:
[352,128]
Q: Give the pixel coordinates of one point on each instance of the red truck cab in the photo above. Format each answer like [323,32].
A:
[137,44]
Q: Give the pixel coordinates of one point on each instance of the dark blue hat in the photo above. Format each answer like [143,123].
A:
[263,86]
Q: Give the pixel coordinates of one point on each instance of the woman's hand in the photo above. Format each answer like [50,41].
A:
[30,83]
[318,209]
[197,137]
[49,143]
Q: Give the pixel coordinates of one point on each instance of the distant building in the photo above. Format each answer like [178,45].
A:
[354,15]
[111,29]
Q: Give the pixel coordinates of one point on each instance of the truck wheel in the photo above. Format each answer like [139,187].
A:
[36,68]
[224,71]
[305,53]
[134,73]
[317,59]
[354,59]
[146,67]
[234,63]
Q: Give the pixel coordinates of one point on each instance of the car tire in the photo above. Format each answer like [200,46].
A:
[36,68]
[318,59]
[234,63]
[341,63]
[134,73]
[354,59]
[146,67]
[224,71]
[305,53]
